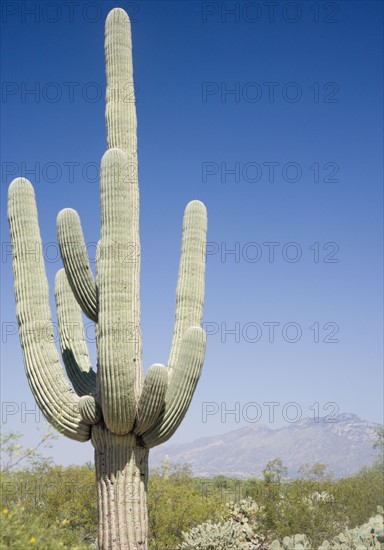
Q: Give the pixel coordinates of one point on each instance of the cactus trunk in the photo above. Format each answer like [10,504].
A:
[121,476]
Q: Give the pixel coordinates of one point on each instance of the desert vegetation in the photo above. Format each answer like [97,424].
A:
[51,507]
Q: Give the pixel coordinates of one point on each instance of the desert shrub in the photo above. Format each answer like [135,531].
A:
[177,504]
[20,530]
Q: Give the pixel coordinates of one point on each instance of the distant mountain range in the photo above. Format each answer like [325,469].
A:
[344,446]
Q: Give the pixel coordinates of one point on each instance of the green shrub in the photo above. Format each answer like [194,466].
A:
[22,531]
[176,505]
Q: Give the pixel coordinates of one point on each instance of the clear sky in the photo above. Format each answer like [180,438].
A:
[271,114]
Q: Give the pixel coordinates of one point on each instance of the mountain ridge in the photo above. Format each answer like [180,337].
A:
[344,443]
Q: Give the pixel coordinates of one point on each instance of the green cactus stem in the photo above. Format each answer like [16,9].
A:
[73,346]
[123,412]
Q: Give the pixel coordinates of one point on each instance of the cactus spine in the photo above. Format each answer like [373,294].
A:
[123,412]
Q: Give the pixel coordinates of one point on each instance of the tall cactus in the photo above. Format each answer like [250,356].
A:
[123,412]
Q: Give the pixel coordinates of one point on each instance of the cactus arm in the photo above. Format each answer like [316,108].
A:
[52,392]
[152,398]
[190,284]
[72,342]
[76,263]
[117,331]
[120,115]
[90,410]
[180,387]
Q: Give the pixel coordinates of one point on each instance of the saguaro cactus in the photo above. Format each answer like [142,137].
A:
[123,412]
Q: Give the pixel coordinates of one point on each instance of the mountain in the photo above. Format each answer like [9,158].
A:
[344,445]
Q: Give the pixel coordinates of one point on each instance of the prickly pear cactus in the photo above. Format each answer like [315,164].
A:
[292,543]
[369,535]
[239,532]
[213,536]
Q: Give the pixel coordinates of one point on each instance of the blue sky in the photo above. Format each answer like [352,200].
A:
[274,121]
